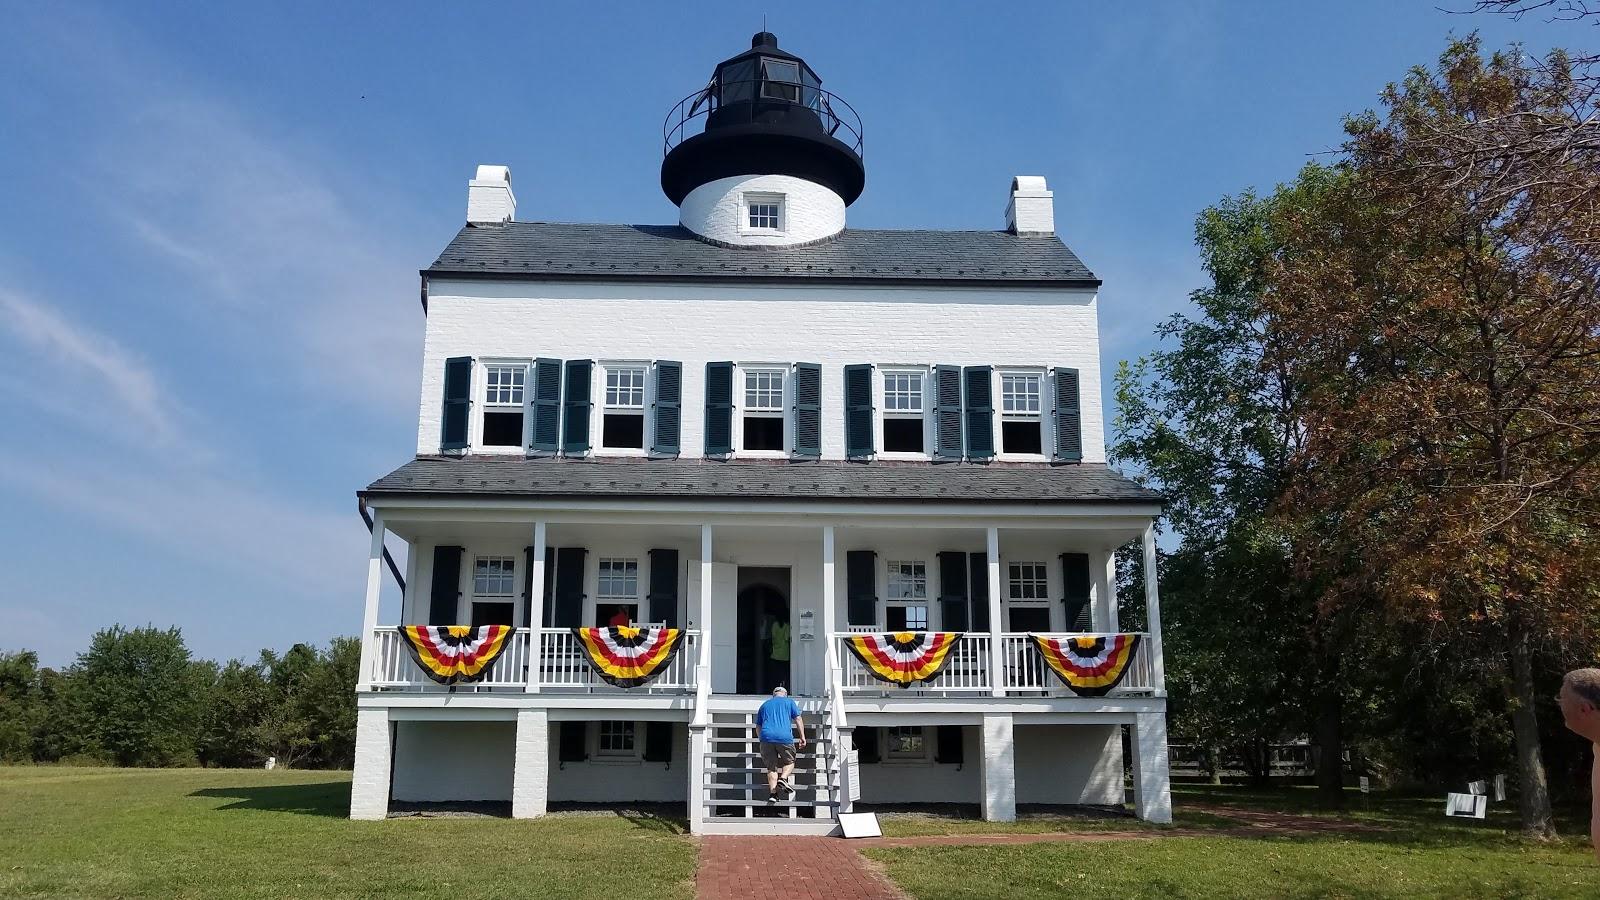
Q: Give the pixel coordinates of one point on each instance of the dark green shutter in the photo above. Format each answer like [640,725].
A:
[527,587]
[546,406]
[575,436]
[865,740]
[456,415]
[444,600]
[666,435]
[664,587]
[807,410]
[861,591]
[858,412]
[1075,578]
[947,443]
[953,590]
[979,409]
[549,588]
[569,587]
[947,748]
[1069,417]
[658,742]
[719,408]
[572,747]
[980,590]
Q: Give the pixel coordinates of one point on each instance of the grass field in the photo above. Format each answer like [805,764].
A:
[69,833]
[239,833]
[1408,850]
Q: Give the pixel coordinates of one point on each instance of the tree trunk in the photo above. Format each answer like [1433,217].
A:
[1533,789]
[1213,764]
[1330,742]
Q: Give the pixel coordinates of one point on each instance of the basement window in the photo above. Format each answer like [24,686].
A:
[623,425]
[903,427]
[906,743]
[503,405]
[616,740]
[1021,422]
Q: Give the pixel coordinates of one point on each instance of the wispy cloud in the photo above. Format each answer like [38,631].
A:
[77,346]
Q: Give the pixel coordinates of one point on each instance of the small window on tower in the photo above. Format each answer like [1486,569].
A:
[763,212]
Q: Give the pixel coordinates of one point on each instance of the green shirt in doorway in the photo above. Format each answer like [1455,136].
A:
[780,641]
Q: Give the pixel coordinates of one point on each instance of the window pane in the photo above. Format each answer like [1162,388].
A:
[764,215]
[906,741]
[625,388]
[619,578]
[763,432]
[1021,437]
[902,392]
[623,431]
[903,435]
[501,428]
[1019,394]
[616,737]
[492,576]
[763,391]
[1028,581]
[504,385]
[908,580]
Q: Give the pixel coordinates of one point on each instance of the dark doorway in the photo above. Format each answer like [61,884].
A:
[764,635]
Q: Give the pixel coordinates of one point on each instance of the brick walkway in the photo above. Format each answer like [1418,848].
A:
[793,868]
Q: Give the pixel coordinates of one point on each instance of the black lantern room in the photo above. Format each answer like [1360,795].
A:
[764,113]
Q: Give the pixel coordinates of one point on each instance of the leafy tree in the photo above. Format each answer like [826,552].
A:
[20,705]
[138,696]
[234,701]
[1440,307]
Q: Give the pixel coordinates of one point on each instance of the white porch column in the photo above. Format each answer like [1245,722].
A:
[1109,577]
[997,670]
[830,612]
[1152,779]
[536,602]
[369,619]
[999,769]
[705,599]
[530,773]
[369,783]
[696,772]
[1152,606]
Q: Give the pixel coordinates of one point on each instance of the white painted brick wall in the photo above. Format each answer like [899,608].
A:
[369,783]
[715,210]
[999,769]
[696,324]
[441,761]
[530,784]
[1152,775]
[1069,764]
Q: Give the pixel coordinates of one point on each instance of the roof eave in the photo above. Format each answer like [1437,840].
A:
[718,278]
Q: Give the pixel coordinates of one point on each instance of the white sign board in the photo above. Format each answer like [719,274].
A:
[860,825]
[1366,785]
[1478,788]
[852,772]
[1470,806]
[1499,789]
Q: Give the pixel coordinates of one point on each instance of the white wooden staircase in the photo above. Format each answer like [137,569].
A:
[732,784]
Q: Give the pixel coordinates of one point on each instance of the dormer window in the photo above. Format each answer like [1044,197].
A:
[762,417]
[763,212]
[503,405]
[623,425]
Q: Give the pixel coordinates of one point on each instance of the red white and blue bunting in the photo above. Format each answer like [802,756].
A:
[1091,666]
[903,658]
[628,656]
[455,653]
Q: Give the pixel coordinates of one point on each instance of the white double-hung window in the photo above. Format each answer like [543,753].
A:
[1028,593]
[617,591]
[905,603]
[1022,413]
[616,740]
[504,394]
[904,412]
[494,586]
[622,422]
[763,213]
[761,416]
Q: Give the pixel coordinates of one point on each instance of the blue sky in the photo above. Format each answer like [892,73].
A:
[213,217]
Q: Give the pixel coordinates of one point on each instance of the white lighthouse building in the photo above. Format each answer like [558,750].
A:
[782,445]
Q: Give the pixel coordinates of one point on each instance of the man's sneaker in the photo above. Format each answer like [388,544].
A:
[772,798]
[784,789]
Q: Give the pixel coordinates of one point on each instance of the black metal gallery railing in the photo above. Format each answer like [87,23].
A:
[743,102]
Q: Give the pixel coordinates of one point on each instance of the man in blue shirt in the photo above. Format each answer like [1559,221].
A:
[778,741]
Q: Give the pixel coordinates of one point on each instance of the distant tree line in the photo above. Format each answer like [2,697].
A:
[136,697]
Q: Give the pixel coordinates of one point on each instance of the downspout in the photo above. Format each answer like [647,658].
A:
[361,506]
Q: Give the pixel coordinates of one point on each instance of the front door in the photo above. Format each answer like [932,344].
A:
[763,627]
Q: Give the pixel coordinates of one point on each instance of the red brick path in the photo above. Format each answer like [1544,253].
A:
[790,868]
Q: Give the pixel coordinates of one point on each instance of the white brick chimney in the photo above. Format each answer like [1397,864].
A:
[489,197]
[1032,208]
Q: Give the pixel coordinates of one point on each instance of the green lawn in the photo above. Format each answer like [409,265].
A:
[1413,851]
[243,833]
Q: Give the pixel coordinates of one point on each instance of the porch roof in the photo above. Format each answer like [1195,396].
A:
[485,475]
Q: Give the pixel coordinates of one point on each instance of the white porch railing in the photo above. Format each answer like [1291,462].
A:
[966,671]
[562,666]
[1024,671]
[393,666]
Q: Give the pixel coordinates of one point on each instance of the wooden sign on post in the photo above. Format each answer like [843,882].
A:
[1471,806]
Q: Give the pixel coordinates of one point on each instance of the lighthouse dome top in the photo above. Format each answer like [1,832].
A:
[763,129]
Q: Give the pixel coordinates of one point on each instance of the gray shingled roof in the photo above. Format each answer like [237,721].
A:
[672,252]
[702,479]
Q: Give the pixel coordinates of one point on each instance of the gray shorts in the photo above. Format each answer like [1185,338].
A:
[776,756]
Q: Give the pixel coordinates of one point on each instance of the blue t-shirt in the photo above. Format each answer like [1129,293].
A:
[774,717]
